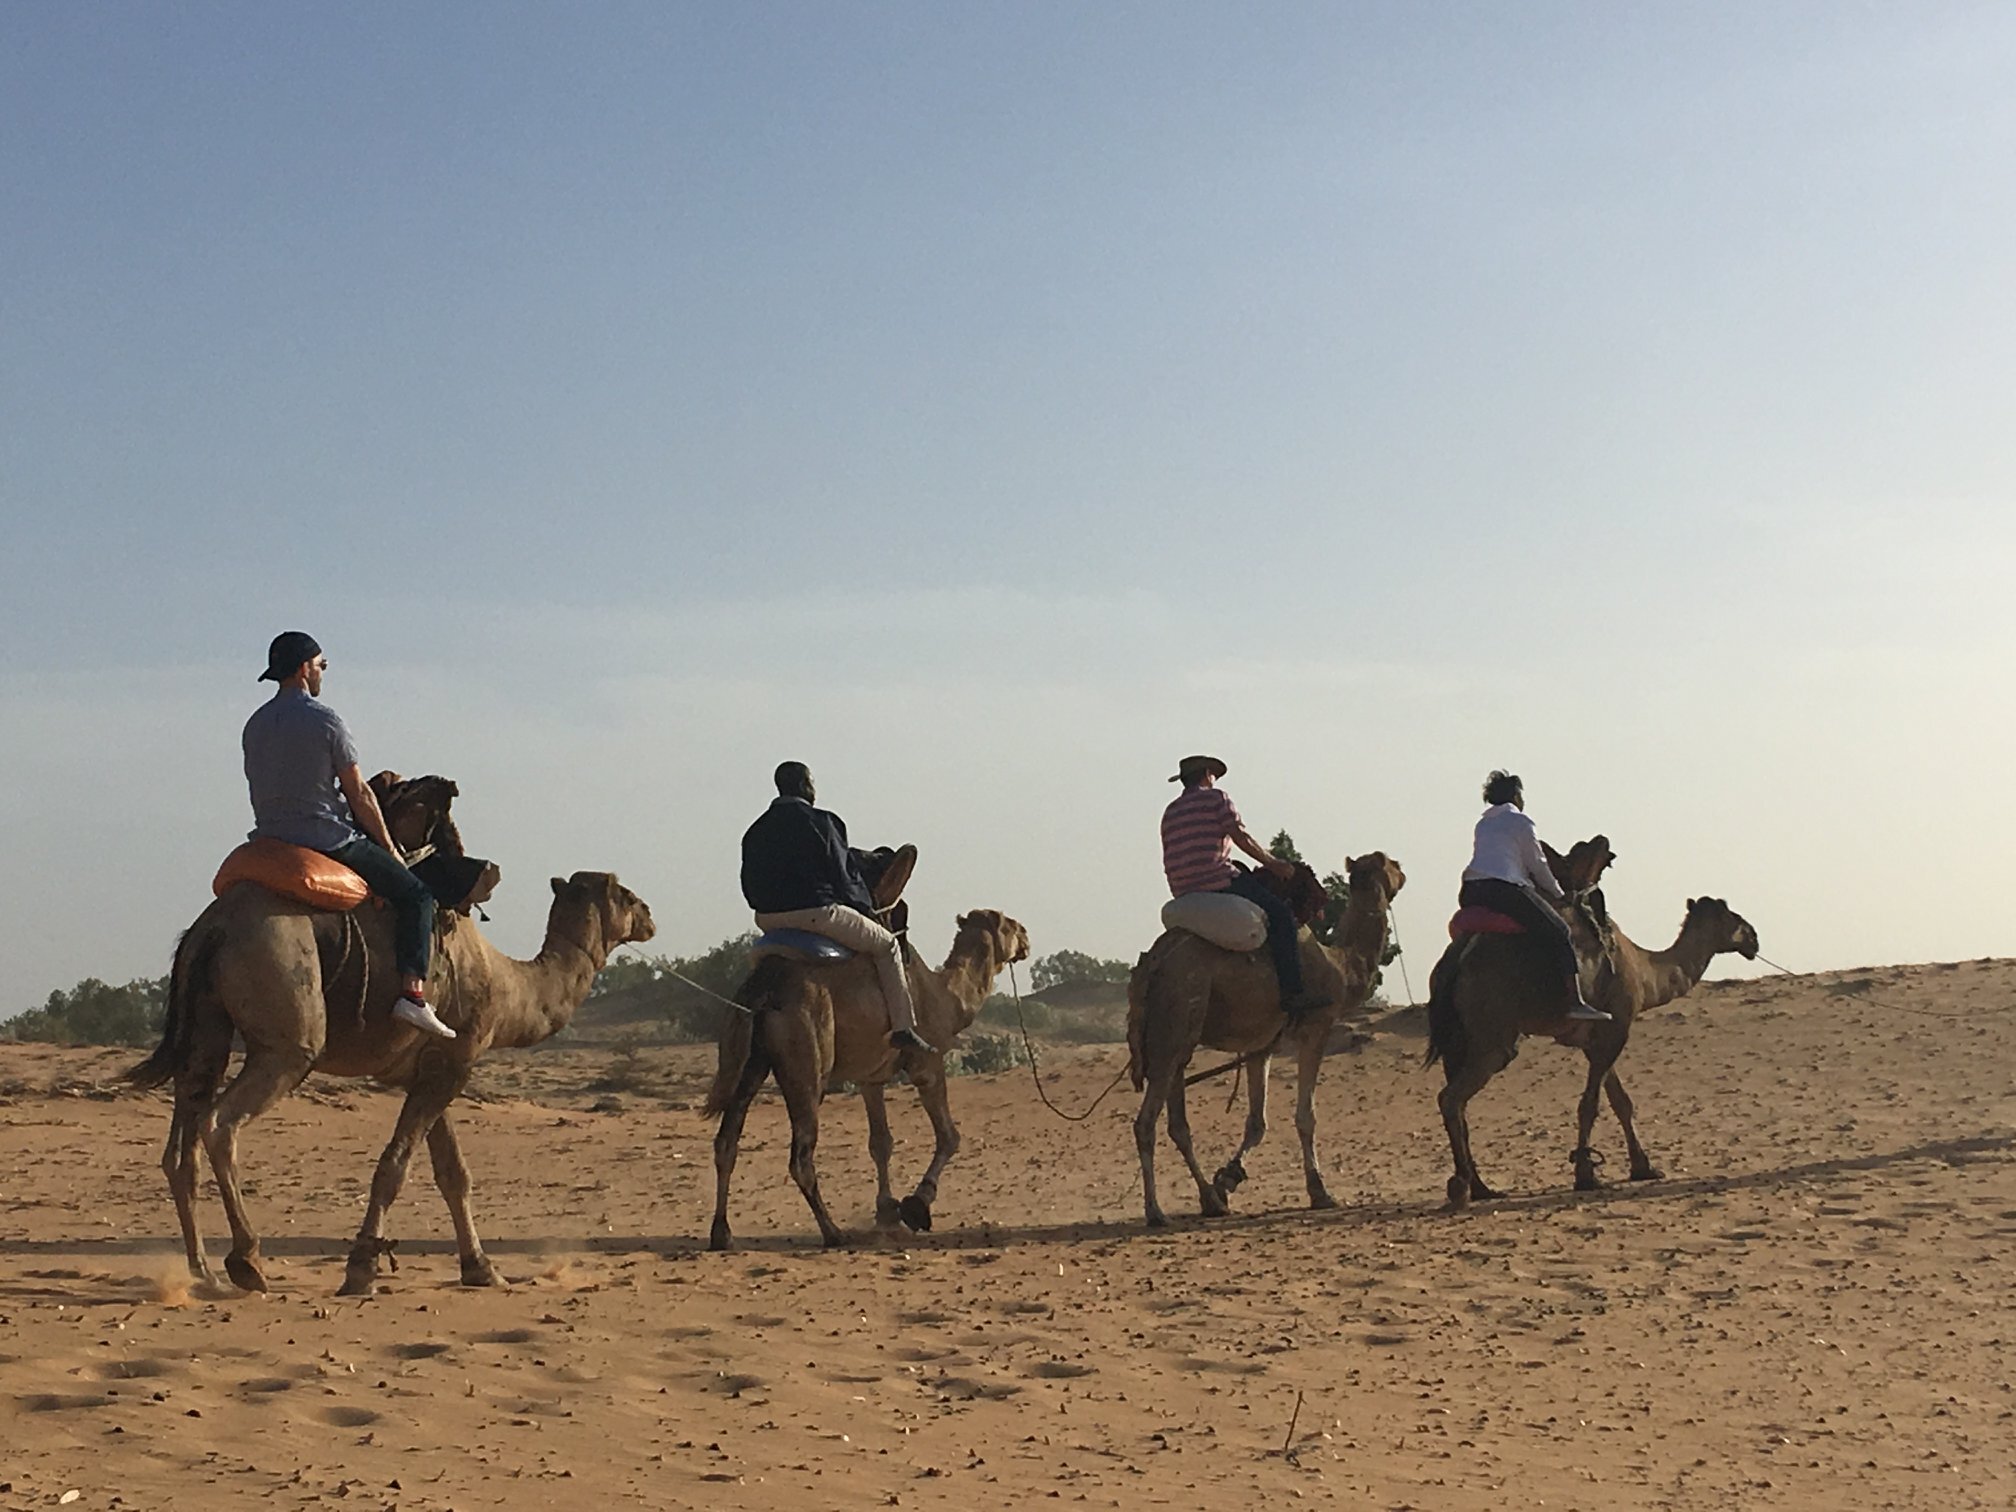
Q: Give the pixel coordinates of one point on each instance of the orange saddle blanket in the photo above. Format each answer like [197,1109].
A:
[294,872]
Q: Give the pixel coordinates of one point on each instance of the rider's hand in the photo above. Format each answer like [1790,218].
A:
[1279,867]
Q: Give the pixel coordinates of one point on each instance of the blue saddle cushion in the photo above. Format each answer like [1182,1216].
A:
[802,943]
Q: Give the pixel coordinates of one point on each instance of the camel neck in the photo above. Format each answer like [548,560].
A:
[1673,972]
[553,984]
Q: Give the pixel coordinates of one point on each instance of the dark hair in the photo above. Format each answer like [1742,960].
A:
[1502,787]
[792,778]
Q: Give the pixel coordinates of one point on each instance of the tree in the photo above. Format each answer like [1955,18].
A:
[1074,966]
[97,1013]
[1283,846]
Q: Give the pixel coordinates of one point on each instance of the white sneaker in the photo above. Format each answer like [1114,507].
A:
[421,1017]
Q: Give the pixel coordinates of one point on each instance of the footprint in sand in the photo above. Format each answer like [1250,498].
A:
[129,1370]
[424,1349]
[53,1401]
[266,1385]
[965,1389]
[760,1320]
[1059,1370]
[510,1336]
[1229,1367]
[349,1417]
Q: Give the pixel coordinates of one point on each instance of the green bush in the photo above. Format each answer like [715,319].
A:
[984,1054]
[96,1013]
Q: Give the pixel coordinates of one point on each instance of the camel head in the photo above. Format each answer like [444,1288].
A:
[413,806]
[1375,869]
[1006,939]
[594,909]
[1724,928]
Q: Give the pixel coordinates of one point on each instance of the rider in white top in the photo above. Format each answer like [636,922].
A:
[1508,873]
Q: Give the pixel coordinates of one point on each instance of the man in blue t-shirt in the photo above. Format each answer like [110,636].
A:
[301,767]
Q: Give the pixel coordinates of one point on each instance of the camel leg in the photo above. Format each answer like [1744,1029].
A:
[195,1092]
[1209,1199]
[1642,1168]
[801,1099]
[1226,1182]
[451,1175]
[1153,1096]
[881,1146]
[268,1075]
[1309,1066]
[936,1094]
[425,1102]
[728,1138]
[1484,1062]
[1602,1056]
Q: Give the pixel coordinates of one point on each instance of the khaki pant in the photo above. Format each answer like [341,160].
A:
[856,931]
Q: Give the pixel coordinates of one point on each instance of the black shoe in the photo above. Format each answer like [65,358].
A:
[909,1039]
[1305,1001]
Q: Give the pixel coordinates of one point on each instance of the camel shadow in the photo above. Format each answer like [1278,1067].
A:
[988,1237]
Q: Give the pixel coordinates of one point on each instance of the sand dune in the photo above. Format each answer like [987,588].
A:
[1811,1312]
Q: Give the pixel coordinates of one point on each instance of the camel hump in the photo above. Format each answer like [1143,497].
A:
[1224,919]
[798,945]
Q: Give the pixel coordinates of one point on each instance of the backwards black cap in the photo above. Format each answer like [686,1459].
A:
[290,648]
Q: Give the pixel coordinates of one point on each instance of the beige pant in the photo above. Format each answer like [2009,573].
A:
[856,931]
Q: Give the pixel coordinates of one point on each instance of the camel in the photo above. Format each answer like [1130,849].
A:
[1488,990]
[816,1025]
[1186,992]
[262,965]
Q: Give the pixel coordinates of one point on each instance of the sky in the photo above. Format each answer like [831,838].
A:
[989,405]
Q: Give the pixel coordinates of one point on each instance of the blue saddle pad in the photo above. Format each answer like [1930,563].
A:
[801,943]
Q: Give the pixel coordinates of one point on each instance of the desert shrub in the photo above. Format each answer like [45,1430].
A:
[984,1054]
[96,1013]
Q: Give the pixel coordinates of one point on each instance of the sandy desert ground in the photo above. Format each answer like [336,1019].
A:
[1814,1310]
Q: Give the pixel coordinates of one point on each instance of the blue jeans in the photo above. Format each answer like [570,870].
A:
[412,904]
[1282,943]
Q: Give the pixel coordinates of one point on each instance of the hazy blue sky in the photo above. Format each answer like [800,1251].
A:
[988,405]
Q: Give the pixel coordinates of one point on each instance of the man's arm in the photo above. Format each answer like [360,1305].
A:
[364,805]
[1536,863]
[1266,858]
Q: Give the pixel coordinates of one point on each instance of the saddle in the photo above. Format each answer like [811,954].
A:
[293,871]
[1476,920]
[887,873]
[416,812]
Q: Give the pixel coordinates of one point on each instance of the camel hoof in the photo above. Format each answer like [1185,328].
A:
[837,1239]
[1482,1193]
[1459,1193]
[1212,1204]
[915,1213]
[888,1212]
[1649,1173]
[244,1272]
[481,1272]
[1156,1218]
[358,1286]
[1228,1178]
[1322,1201]
[720,1238]
[1585,1180]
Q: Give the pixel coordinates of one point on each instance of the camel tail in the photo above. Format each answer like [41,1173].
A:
[1137,1021]
[761,991]
[1447,1040]
[185,976]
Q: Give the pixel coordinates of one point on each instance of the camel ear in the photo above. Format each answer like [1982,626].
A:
[961,921]
[1395,876]
[559,886]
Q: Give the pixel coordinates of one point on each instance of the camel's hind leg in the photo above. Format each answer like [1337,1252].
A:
[1309,1066]
[269,1074]
[1483,1063]
[1233,1172]
[425,1102]
[728,1138]
[935,1093]
[881,1147]
[801,1099]
[451,1175]
[1209,1200]
[1153,1096]
[195,1094]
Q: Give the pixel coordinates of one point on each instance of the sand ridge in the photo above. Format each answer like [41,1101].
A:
[1812,1311]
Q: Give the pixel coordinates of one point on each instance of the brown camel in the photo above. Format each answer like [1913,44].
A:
[259,965]
[815,1026]
[1488,990]
[1186,992]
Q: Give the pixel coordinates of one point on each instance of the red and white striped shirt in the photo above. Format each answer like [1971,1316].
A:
[1197,841]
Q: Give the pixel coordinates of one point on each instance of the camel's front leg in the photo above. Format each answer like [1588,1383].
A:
[1602,1056]
[1309,1066]
[1230,1174]
[881,1145]
[425,1101]
[1642,1168]
[451,1175]
[1480,1064]
[1209,1200]
[928,1072]
[268,1075]
[195,1093]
